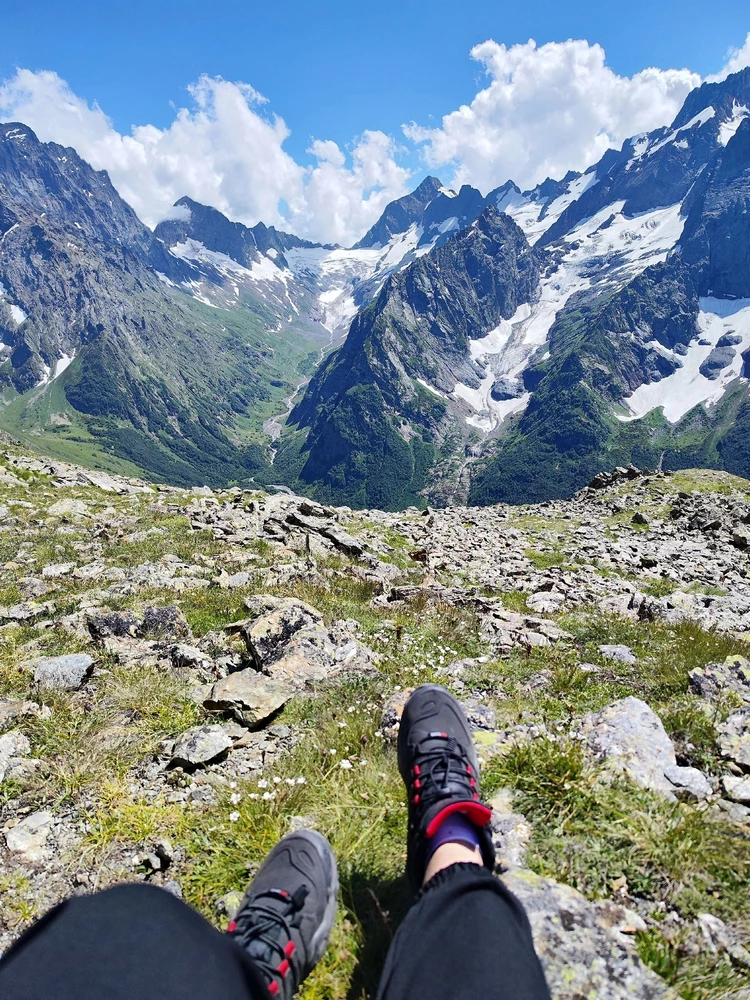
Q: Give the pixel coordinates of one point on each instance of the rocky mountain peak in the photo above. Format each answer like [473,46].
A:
[401,213]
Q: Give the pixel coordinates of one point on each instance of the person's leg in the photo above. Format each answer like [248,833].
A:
[136,942]
[132,941]
[466,935]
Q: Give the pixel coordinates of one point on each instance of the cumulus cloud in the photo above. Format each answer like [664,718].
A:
[548,109]
[545,110]
[224,151]
[737,59]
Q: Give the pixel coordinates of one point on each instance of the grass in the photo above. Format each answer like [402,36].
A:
[93,743]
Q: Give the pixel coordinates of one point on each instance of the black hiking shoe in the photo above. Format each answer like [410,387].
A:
[286,917]
[438,763]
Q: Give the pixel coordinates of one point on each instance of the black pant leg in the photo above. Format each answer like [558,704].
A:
[131,942]
[466,936]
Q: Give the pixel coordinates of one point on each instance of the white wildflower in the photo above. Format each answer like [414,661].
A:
[233,817]
[235,798]
[346,764]
[262,783]
[267,796]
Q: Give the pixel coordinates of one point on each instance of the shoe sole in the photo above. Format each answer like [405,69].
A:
[322,935]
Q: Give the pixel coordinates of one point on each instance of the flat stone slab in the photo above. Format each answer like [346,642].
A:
[62,673]
[251,697]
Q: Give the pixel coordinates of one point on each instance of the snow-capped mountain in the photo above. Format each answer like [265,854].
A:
[631,319]
[505,346]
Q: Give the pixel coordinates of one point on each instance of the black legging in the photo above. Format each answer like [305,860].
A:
[465,936]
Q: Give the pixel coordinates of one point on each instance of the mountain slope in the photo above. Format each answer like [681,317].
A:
[377,409]
[102,349]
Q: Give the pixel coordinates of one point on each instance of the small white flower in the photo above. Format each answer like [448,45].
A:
[233,817]
[262,783]
[301,781]
[253,795]
[235,798]
[277,781]
[346,764]
[378,732]
[342,725]
[362,763]
[290,781]
[351,708]
[332,750]
[397,687]
[267,796]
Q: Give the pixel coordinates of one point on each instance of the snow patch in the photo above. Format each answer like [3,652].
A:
[19,316]
[697,121]
[677,394]
[729,127]
[63,363]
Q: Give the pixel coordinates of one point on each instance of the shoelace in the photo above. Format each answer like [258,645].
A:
[272,929]
[440,767]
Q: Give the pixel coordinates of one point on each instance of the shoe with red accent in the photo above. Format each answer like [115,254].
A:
[285,920]
[439,765]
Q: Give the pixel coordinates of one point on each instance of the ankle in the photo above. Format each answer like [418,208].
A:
[451,853]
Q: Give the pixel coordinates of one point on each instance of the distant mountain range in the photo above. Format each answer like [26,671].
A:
[504,347]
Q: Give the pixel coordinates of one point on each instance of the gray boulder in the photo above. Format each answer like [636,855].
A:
[62,673]
[586,949]
[200,745]
[249,696]
[630,738]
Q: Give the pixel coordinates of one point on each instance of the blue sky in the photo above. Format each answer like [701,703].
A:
[332,68]
[327,150]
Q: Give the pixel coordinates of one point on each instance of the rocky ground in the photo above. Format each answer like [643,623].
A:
[186,674]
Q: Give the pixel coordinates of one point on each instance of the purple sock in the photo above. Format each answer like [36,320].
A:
[455,829]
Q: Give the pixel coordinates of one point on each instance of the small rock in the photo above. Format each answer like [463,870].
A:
[13,746]
[390,718]
[200,745]
[630,738]
[734,738]
[511,833]
[717,679]
[620,654]
[720,938]
[689,783]
[57,570]
[62,673]
[737,789]
[478,715]
[29,837]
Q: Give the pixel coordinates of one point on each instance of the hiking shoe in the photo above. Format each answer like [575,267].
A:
[439,765]
[285,919]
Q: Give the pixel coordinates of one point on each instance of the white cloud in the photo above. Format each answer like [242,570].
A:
[737,59]
[223,151]
[548,109]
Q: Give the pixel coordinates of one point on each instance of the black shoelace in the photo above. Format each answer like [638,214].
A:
[443,771]
[271,928]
